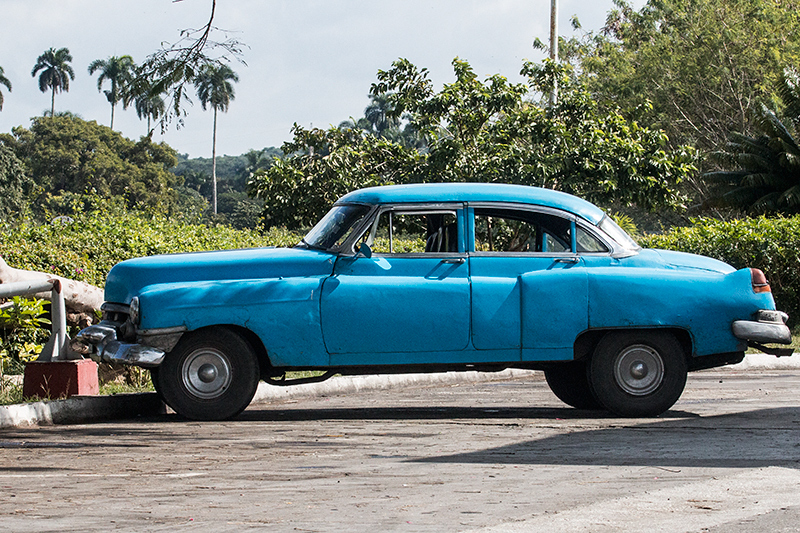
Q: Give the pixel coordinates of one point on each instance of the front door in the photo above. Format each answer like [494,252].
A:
[409,302]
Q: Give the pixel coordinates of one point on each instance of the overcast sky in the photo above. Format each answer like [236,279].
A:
[308,61]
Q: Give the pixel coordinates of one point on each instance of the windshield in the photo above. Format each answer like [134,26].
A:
[618,234]
[336,226]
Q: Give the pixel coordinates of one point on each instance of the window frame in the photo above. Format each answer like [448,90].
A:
[575,223]
[371,226]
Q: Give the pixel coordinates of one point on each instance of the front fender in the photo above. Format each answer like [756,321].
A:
[284,313]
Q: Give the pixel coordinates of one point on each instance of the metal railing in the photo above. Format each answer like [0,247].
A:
[57,347]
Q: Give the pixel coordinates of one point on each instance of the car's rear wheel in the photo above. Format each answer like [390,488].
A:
[569,382]
[638,373]
[211,374]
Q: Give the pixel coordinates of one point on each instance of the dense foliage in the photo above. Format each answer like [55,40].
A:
[100,233]
[68,154]
[761,173]
[479,131]
[15,185]
[770,244]
[703,66]
[22,333]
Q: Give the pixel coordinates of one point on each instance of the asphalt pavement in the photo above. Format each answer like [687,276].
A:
[81,409]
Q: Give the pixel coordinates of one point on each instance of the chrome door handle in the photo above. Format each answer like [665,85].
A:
[572,260]
[457,261]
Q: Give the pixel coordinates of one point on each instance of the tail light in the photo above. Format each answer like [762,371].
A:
[759,281]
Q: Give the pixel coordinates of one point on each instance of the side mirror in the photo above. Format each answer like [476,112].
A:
[364,249]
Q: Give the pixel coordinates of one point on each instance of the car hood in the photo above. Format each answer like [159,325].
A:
[683,260]
[128,278]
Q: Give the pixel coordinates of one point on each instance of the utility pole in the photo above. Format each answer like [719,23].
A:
[554,46]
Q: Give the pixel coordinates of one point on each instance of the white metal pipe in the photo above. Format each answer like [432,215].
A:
[25,288]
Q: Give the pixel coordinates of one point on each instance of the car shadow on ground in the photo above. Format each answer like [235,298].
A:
[432,413]
[677,439]
[751,439]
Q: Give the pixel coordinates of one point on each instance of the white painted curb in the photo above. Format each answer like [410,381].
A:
[81,409]
[355,384]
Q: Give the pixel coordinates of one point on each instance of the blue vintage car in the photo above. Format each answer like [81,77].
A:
[437,277]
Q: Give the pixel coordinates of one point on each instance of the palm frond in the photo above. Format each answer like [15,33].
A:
[769,123]
[789,92]
[765,204]
[753,162]
[791,197]
[730,177]
[741,197]
[769,180]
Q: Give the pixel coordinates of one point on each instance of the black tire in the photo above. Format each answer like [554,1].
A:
[569,382]
[211,374]
[638,374]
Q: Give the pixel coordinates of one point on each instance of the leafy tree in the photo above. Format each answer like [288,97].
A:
[7,83]
[762,171]
[117,70]
[15,186]
[55,73]
[324,165]
[215,88]
[480,131]
[67,154]
[703,66]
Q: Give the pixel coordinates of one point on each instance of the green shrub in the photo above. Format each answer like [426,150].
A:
[22,333]
[770,244]
[86,244]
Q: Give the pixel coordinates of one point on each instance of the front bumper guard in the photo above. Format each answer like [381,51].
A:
[769,327]
[103,345]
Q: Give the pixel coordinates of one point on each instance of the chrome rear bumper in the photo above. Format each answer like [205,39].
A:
[769,327]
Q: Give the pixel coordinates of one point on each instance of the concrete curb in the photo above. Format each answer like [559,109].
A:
[82,409]
[354,384]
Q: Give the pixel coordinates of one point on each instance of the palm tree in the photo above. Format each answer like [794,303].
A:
[117,70]
[3,81]
[763,172]
[214,88]
[149,106]
[377,113]
[56,73]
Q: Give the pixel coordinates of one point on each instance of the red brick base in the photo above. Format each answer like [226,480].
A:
[60,379]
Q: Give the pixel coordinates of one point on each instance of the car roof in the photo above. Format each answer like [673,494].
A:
[475,192]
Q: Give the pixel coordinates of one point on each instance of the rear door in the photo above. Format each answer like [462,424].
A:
[529,283]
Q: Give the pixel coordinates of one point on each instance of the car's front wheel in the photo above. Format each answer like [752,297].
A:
[638,373]
[569,382]
[211,374]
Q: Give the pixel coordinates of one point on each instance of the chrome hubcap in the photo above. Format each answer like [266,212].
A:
[639,370]
[206,373]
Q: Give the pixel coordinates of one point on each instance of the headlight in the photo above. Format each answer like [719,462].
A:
[134,310]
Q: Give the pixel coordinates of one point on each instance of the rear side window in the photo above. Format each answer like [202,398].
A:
[517,231]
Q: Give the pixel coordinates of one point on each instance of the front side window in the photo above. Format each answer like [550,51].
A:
[411,232]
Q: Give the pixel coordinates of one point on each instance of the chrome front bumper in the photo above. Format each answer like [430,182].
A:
[769,327]
[102,344]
